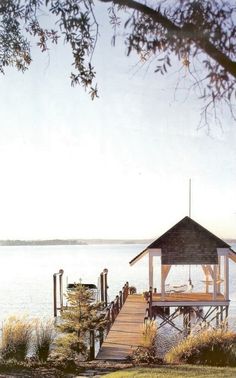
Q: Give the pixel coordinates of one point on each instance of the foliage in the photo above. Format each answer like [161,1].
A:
[208,347]
[132,290]
[199,34]
[16,337]
[44,336]
[81,316]
[175,372]
[147,352]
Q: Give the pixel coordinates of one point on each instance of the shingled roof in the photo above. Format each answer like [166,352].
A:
[187,242]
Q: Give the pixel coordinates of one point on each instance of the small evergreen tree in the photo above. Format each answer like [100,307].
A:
[81,315]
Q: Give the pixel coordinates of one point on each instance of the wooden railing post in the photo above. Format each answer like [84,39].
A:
[55,295]
[61,272]
[108,318]
[105,271]
[123,294]
[112,312]
[117,305]
[102,287]
[120,298]
[101,337]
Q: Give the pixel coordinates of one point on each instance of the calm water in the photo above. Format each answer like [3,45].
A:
[26,274]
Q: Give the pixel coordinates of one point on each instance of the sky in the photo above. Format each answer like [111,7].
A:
[115,167]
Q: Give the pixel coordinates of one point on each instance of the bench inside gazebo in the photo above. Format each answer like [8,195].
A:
[188,243]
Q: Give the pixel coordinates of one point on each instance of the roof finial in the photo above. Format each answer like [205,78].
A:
[189,199]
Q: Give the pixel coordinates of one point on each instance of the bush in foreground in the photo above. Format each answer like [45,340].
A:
[208,347]
[147,351]
[44,336]
[16,338]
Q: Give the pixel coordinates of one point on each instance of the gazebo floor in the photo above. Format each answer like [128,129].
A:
[188,299]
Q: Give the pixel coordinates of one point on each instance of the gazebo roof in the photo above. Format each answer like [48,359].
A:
[187,242]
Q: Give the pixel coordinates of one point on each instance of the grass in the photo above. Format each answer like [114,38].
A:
[16,337]
[149,334]
[44,336]
[188,371]
[208,347]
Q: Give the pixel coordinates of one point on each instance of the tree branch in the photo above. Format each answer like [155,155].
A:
[187,30]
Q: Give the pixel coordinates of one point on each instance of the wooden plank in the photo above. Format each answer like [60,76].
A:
[178,297]
[126,332]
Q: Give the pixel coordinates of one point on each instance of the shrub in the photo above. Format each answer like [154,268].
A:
[44,336]
[208,347]
[16,338]
[147,351]
[132,290]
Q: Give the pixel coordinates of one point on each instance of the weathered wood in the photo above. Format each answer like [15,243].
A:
[102,287]
[55,295]
[192,299]
[226,277]
[126,332]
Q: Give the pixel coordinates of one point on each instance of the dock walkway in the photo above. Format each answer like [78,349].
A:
[126,332]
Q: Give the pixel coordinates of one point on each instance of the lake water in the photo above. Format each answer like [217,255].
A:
[27,271]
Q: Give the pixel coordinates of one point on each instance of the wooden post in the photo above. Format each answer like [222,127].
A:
[162,282]
[150,257]
[221,315]
[126,290]
[108,318]
[55,295]
[217,317]
[120,298]
[215,269]
[207,281]
[102,287]
[226,277]
[105,271]
[219,276]
[92,345]
[226,316]
[117,304]
[101,337]
[150,303]
[112,312]
[123,294]
[61,271]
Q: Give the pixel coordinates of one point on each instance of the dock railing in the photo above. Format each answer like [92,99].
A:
[57,277]
[148,314]
[115,306]
[112,310]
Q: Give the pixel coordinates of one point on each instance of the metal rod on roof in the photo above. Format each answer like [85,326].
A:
[190,198]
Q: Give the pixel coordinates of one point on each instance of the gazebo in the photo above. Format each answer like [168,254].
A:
[188,243]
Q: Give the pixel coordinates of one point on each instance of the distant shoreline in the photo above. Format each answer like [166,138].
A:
[12,243]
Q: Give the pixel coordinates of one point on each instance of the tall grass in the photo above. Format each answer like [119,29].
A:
[44,336]
[149,334]
[208,347]
[147,351]
[16,338]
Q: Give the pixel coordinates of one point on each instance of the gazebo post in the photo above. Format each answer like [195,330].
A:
[150,256]
[162,282]
[226,277]
[215,269]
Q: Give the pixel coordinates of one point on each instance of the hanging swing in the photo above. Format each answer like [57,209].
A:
[181,288]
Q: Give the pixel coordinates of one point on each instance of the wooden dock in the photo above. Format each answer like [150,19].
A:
[126,332]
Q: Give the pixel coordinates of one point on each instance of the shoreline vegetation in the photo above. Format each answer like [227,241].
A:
[11,243]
